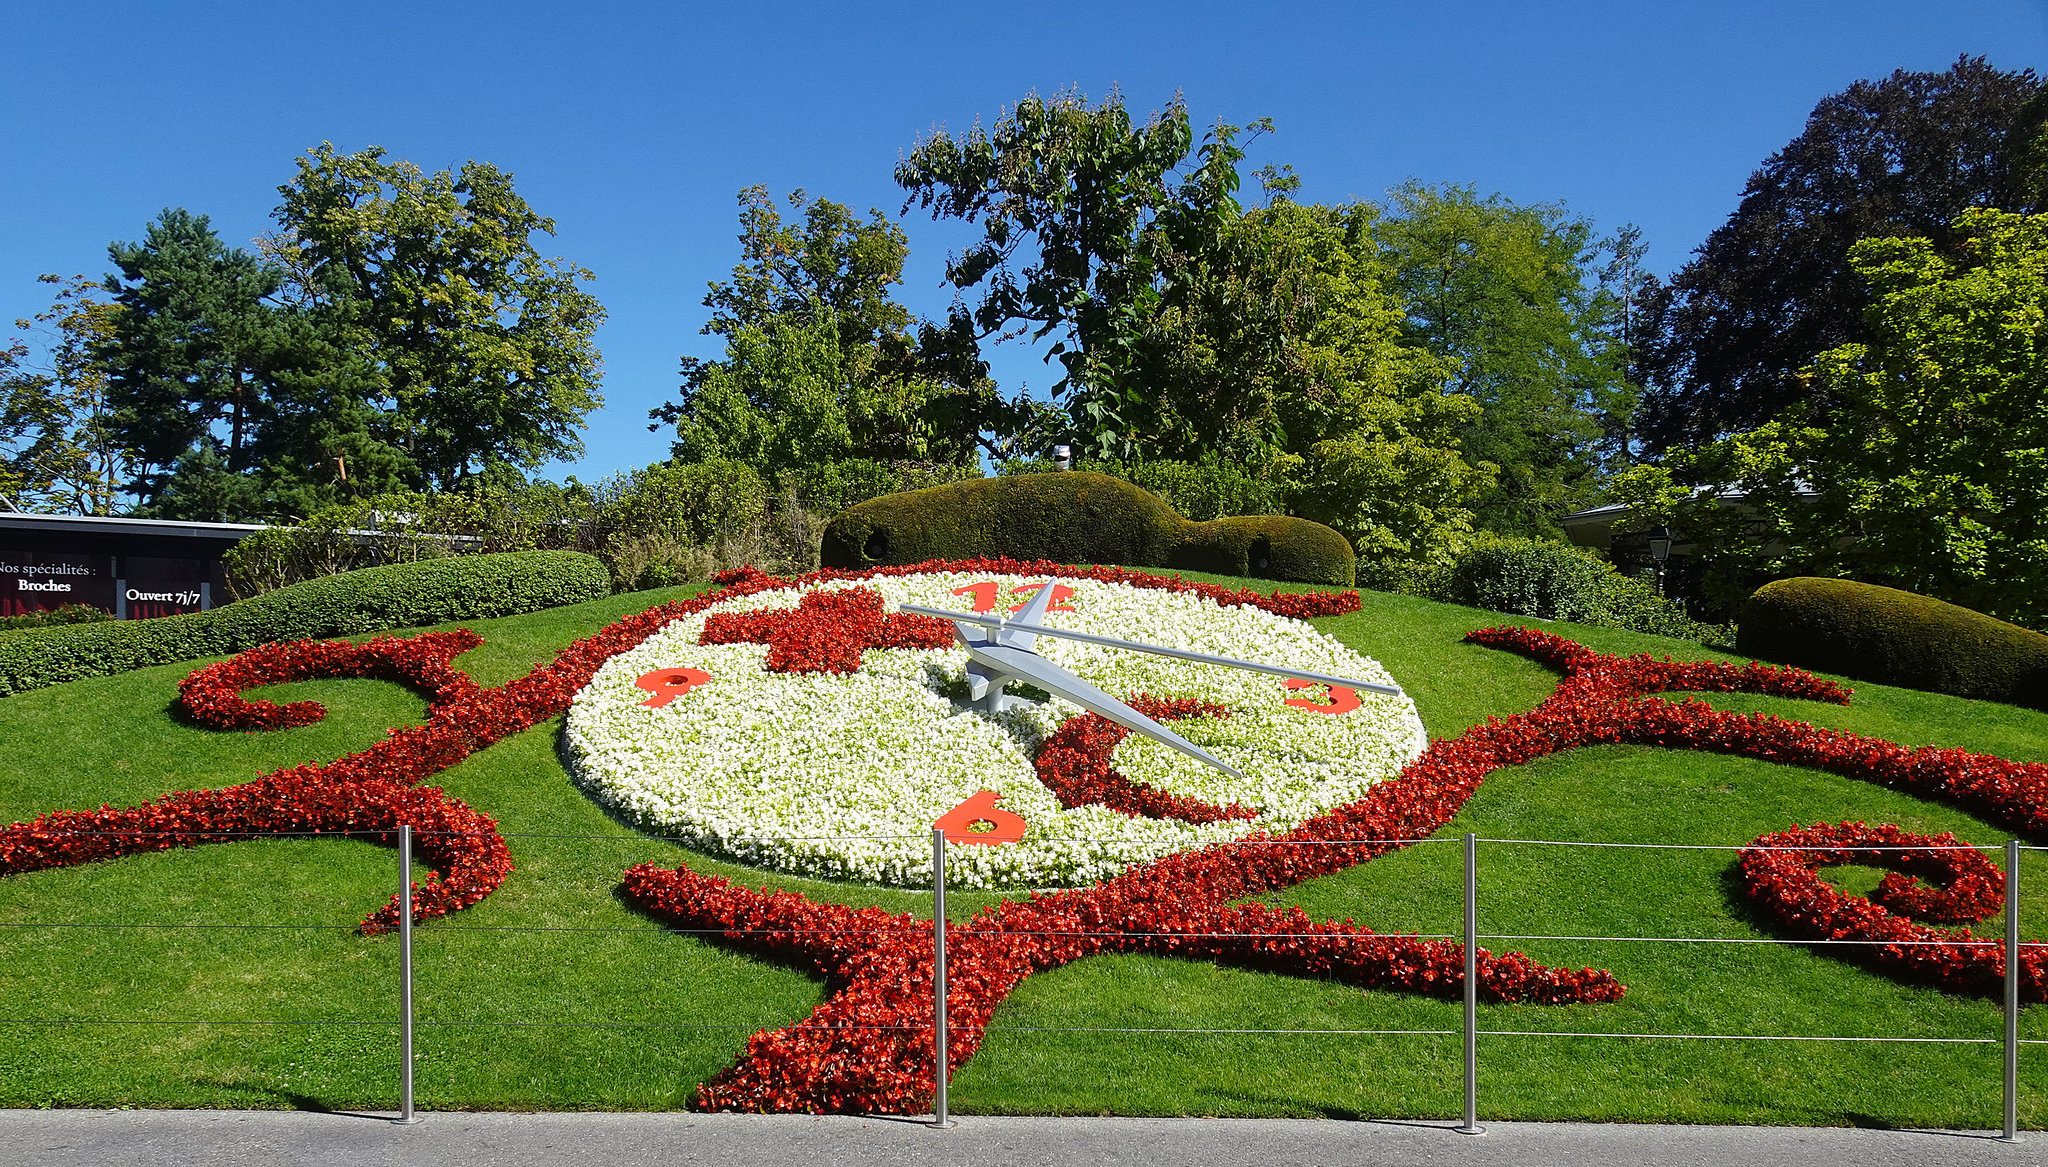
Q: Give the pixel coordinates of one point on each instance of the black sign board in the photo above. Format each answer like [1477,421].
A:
[152,586]
[37,581]
[130,568]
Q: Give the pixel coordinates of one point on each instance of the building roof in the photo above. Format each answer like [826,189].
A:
[17,521]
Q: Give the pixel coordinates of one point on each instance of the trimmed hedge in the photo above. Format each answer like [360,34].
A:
[1895,638]
[400,595]
[1527,577]
[1534,577]
[1078,517]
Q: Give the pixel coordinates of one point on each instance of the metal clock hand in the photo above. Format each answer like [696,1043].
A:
[999,649]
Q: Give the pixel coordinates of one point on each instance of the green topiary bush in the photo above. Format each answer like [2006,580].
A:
[1267,546]
[1892,637]
[1077,517]
[401,595]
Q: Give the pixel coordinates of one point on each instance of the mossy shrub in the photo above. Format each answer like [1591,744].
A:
[399,595]
[1269,547]
[1076,517]
[1892,637]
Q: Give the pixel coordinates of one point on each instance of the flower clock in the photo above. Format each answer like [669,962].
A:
[1126,801]
[820,731]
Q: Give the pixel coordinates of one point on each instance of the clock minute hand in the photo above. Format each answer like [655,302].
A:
[1001,661]
[962,618]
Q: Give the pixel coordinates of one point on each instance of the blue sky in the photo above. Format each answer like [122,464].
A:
[635,125]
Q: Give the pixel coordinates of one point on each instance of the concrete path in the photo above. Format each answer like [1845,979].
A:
[217,1138]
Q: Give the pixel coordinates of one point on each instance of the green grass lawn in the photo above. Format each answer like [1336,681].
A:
[553,994]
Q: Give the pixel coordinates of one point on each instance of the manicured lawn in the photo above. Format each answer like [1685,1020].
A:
[552,993]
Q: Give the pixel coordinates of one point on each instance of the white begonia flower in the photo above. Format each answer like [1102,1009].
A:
[841,776]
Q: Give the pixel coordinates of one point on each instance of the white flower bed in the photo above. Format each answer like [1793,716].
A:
[841,777]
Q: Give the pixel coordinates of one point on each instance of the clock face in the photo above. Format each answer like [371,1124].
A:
[720,730]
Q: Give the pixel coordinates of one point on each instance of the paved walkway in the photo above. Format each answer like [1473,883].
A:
[218,1138]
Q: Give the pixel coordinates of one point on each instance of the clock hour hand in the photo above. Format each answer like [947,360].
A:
[992,662]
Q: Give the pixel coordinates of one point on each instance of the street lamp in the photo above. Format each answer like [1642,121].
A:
[1660,550]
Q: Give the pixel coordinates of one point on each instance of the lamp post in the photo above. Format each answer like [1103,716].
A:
[1660,550]
[1062,458]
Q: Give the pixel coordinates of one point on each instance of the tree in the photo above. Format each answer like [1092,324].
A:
[1628,291]
[1929,470]
[1772,288]
[478,351]
[1193,330]
[1276,349]
[1512,296]
[820,363]
[1077,206]
[193,358]
[60,451]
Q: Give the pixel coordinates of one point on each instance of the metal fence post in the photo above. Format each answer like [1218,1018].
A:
[940,1071]
[1471,1124]
[2012,991]
[405,1110]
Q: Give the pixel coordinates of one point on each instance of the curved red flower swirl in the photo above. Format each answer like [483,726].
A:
[213,695]
[1778,875]
[1076,763]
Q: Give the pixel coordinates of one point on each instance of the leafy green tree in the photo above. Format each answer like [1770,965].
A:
[239,406]
[60,449]
[1262,342]
[1512,295]
[1773,288]
[820,363]
[1079,207]
[1276,349]
[1930,470]
[440,311]
[193,359]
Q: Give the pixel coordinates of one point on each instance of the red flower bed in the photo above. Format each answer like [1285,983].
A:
[1302,605]
[213,695]
[868,1048]
[828,632]
[465,857]
[1075,764]
[1778,875]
